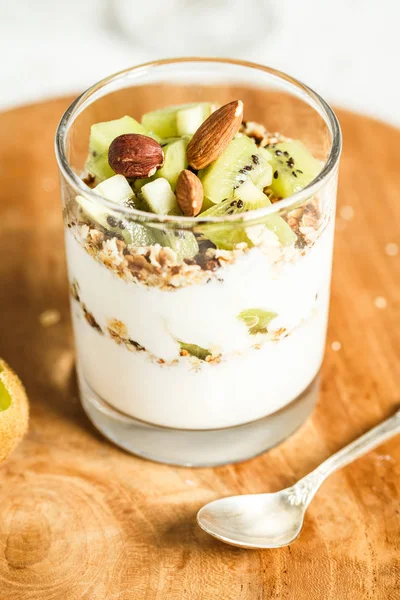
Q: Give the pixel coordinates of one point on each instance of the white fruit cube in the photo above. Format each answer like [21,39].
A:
[188,120]
[160,197]
[116,189]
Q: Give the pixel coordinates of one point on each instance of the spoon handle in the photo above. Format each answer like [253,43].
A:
[304,490]
[361,445]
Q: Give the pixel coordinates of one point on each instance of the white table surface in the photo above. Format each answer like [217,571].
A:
[347,50]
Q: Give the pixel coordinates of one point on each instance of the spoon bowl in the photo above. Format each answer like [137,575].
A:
[254,520]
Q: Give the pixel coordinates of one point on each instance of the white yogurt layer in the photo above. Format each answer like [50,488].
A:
[248,383]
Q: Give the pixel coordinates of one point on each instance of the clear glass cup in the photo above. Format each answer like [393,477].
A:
[149,291]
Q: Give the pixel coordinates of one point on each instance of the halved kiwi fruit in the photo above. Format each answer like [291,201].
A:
[242,160]
[294,167]
[14,410]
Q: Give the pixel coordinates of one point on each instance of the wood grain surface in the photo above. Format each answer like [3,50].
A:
[82,520]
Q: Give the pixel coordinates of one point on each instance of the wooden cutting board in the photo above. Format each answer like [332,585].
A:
[82,520]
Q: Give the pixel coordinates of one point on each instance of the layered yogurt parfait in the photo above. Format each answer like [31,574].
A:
[199,269]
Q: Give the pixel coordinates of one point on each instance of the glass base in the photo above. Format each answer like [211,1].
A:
[202,447]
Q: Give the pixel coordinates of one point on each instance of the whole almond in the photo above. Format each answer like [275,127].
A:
[135,156]
[214,135]
[189,193]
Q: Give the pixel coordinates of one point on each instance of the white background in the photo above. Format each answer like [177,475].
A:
[348,50]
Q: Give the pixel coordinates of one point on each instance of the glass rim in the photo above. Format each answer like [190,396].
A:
[176,221]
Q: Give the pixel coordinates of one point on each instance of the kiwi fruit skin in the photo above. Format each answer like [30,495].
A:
[242,160]
[14,410]
[294,167]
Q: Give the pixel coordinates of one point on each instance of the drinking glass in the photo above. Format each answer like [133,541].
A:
[199,341]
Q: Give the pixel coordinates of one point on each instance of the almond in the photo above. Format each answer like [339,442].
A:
[214,135]
[135,156]
[189,193]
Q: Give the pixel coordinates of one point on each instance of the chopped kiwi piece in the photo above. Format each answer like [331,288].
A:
[195,350]
[116,189]
[242,160]
[188,120]
[159,197]
[164,122]
[294,167]
[101,136]
[257,319]
[183,243]
[97,165]
[247,197]
[175,161]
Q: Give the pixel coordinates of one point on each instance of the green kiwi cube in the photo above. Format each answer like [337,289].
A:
[101,136]
[164,121]
[188,120]
[116,189]
[175,161]
[97,165]
[159,197]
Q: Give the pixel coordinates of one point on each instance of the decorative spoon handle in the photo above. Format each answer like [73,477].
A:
[304,490]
